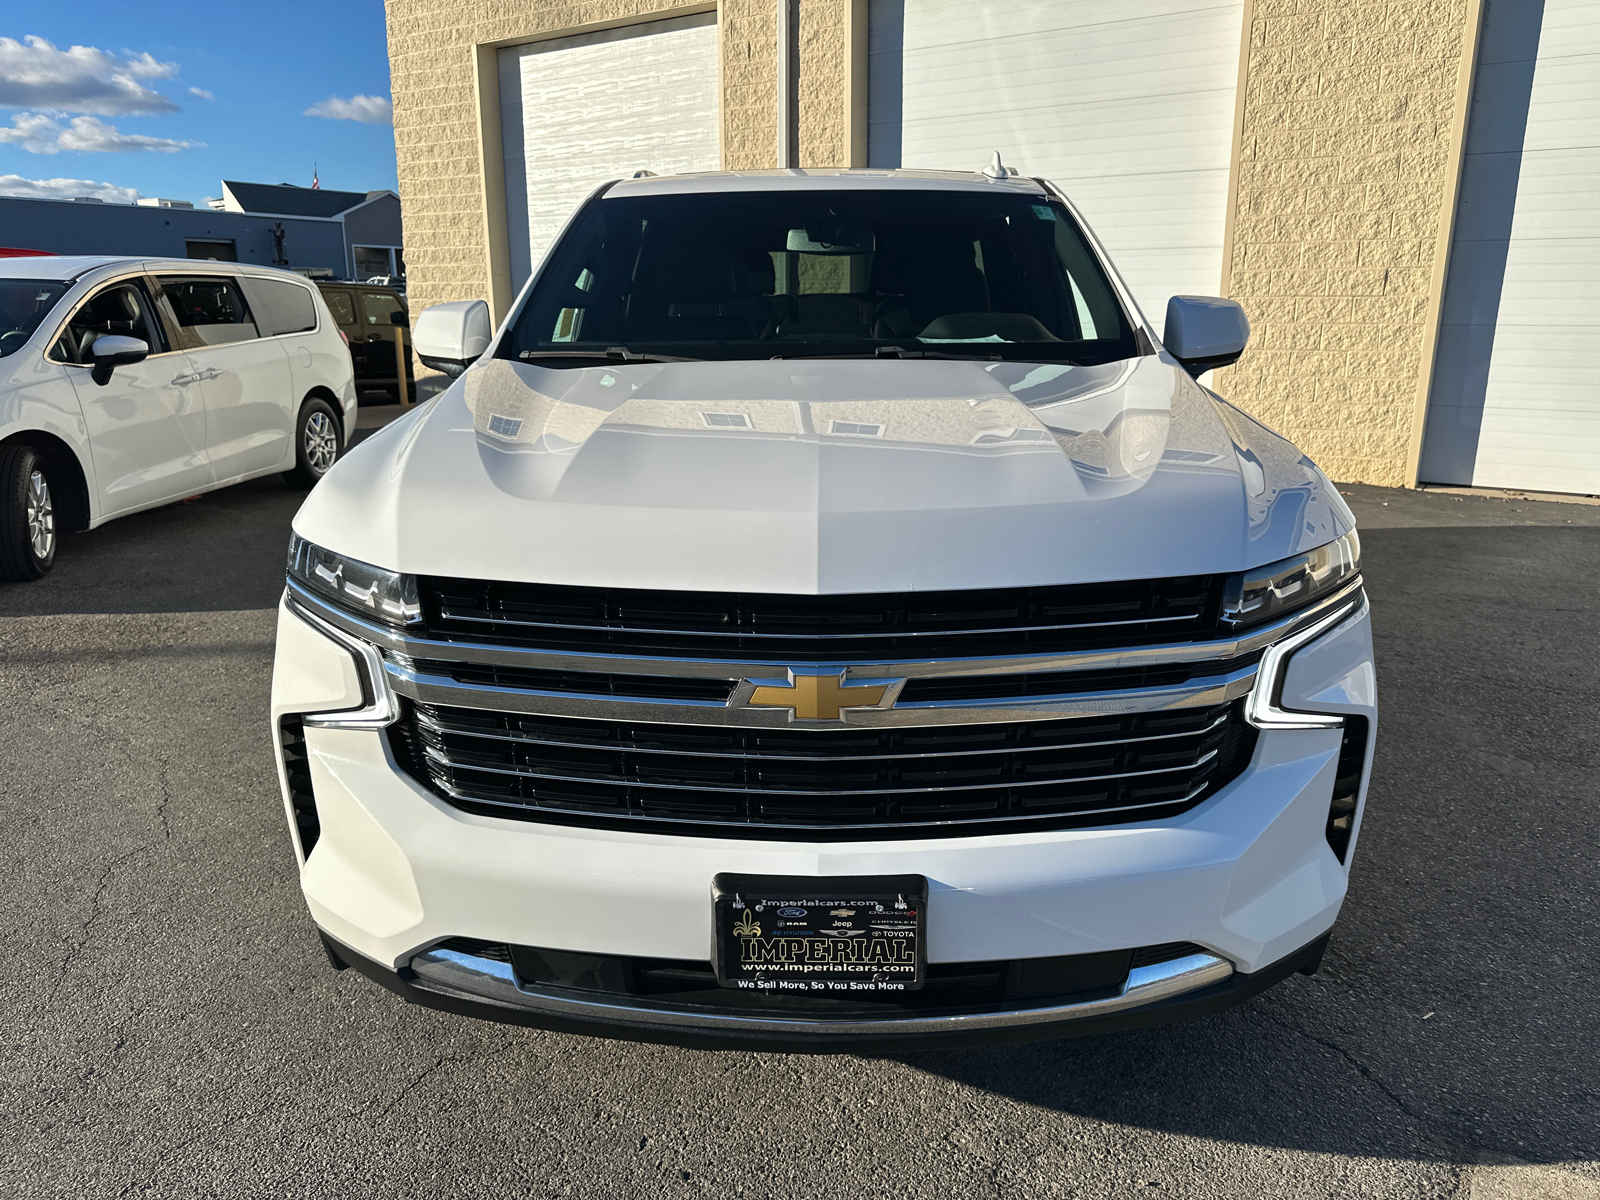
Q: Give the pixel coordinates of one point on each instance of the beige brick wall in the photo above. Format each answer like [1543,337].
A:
[749,31]
[1345,168]
[436,133]
[431,52]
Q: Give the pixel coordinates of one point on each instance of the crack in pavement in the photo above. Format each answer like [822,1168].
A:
[94,914]
[1362,1069]
[405,1091]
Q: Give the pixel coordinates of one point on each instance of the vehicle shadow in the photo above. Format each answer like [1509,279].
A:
[218,552]
[1455,1013]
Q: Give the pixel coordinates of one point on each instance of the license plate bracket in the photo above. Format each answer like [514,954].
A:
[836,935]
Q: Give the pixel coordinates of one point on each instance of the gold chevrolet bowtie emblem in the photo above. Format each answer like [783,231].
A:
[817,697]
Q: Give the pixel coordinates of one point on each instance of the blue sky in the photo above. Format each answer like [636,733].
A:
[120,111]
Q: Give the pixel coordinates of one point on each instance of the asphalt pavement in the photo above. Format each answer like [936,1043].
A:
[171,1028]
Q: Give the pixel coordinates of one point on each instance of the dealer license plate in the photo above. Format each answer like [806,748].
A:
[838,935]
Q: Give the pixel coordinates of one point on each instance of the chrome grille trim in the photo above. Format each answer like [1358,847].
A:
[437,689]
[398,642]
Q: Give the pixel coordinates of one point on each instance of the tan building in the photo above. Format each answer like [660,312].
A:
[1402,193]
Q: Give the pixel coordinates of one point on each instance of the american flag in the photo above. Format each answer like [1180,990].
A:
[315,182]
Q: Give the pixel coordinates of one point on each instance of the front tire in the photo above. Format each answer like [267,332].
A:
[318,443]
[27,515]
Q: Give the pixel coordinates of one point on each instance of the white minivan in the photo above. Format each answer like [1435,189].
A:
[130,383]
[827,615]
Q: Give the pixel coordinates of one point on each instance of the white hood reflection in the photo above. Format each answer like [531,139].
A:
[824,476]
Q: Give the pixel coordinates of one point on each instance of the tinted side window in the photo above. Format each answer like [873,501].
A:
[280,307]
[379,307]
[123,309]
[341,306]
[208,312]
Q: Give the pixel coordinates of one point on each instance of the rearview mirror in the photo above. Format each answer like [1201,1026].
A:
[1205,332]
[838,241]
[113,351]
[451,337]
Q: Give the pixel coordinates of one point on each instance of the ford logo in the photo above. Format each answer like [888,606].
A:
[791,911]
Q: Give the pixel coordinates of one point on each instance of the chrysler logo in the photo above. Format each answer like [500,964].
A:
[817,697]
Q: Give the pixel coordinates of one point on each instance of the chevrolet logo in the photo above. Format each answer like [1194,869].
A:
[818,697]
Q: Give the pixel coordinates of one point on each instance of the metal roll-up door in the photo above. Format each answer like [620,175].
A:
[577,111]
[1126,104]
[1515,401]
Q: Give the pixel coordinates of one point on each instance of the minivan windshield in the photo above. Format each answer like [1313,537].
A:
[764,274]
[23,304]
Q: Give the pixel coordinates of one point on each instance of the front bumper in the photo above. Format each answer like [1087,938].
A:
[480,987]
[1248,876]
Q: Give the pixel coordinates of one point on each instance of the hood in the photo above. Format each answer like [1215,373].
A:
[824,476]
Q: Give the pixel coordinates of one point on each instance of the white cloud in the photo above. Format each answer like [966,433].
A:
[35,74]
[40,134]
[65,189]
[369,110]
[34,132]
[202,93]
[92,135]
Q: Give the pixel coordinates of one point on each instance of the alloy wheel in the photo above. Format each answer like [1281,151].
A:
[41,517]
[321,442]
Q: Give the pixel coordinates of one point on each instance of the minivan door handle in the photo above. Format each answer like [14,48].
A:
[192,377]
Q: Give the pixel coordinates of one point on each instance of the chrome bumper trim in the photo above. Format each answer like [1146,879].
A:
[470,977]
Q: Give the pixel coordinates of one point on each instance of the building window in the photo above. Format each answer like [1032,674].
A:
[506,427]
[725,420]
[217,250]
[854,429]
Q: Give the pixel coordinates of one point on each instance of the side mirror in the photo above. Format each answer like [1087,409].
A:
[397,317]
[113,351]
[451,337]
[1204,332]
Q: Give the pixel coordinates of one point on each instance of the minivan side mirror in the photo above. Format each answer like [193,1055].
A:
[1205,332]
[451,337]
[113,351]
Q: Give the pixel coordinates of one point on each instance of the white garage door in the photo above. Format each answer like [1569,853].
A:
[1127,105]
[577,111]
[1516,392]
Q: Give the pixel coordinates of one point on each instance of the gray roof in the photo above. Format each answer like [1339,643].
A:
[286,200]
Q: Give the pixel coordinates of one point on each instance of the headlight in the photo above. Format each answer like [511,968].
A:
[369,590]
[1279,588]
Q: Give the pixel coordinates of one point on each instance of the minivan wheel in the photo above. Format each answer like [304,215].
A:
[27,515]
[317,443]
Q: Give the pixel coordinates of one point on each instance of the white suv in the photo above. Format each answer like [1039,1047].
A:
[130,383]
[825,616]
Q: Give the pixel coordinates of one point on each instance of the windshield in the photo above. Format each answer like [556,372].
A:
[823,273]
[23,304]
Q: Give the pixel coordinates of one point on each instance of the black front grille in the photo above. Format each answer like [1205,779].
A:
[621,686]
[863,628]
[818,784]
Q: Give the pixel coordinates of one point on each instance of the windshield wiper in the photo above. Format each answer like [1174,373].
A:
[613,354]
[919,352]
